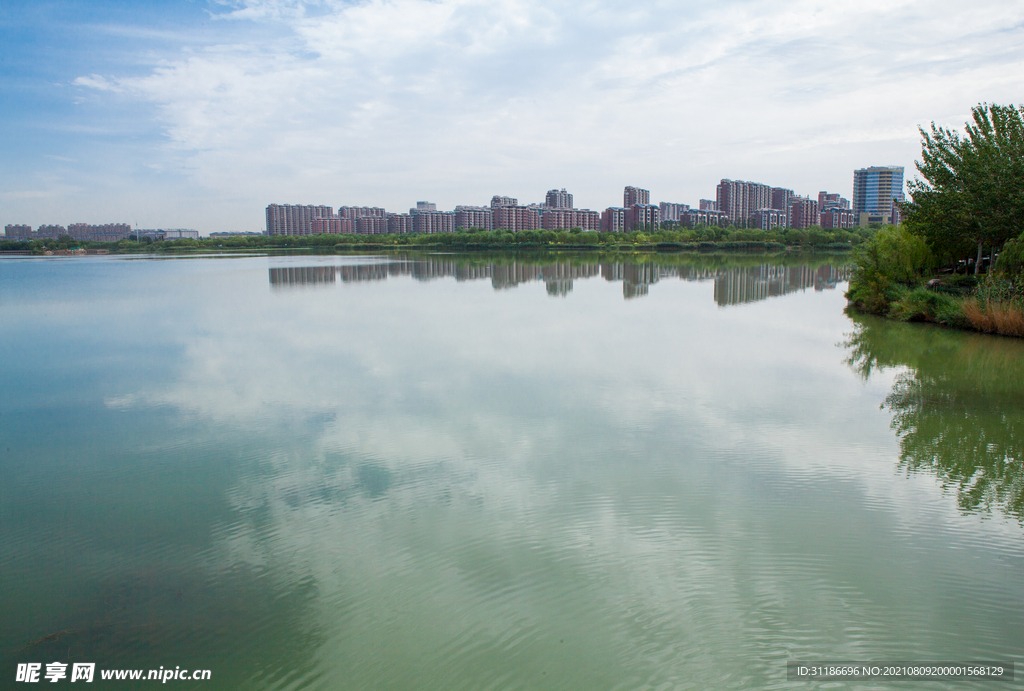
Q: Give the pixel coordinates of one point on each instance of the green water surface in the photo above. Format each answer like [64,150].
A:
[497,472]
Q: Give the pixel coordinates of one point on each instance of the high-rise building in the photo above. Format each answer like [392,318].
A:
[874,188]
[613,219]
[739,199]
[803,212]
[782,201]
[474,217]
[294,219]
[51,231]
[635,195]
[672,212]
[355,212]
[556,199]
[372,225]
[515,218]
[565,219]
[643,216]
[108,232]
[498,200]
[333,226]
[837,217]
[767,219]
[703,217]
[708,205]
[400,223]
[426,206]
[433,222]
[833,200]
[18,232]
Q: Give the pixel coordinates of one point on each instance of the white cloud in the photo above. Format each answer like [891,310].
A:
[99,82]
[385,102]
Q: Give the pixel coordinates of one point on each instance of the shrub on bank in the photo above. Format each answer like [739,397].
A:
[888,266]
[924,304]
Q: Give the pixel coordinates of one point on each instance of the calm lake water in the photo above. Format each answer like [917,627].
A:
[482,472]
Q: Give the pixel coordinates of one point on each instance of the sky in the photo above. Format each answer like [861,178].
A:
[199,113]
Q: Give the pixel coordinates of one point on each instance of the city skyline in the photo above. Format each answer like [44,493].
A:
[196,114]
[738,202]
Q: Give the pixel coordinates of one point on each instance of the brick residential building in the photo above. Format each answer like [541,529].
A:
[837,217]
[672,212]
[108,232]
[643,216]
[18,232]
[433,222]
[556,199]
[613,219]
[803,213]
[782,200]
[828,200]
[474,217]
[565,219]
[333,226]
[695,218]
[635,195]
[739,199]
[771,218]
[400,224]
[51,231]
[515,218]
[355,212]
[371,225]
[294,219]
[498,200]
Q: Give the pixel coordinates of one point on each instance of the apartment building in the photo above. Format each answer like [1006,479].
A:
[371,225]
[672,212]
[558,199]
[767,219]
[803,212]
[635,195]
[498,200]
[837,217]
[108,232]
[641,216]
[18,232]
[613,219]
[515,218]
[474,217]
[433,222]
[564,219]
[294,219]
[355,212]
[400,223]
[51,231]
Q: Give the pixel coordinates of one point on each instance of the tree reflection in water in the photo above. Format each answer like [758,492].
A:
[958,408]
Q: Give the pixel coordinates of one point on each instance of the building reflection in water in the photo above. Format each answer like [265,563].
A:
[733,284]
[750,284]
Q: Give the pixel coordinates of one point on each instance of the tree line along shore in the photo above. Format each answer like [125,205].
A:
[662,239]
[958,257]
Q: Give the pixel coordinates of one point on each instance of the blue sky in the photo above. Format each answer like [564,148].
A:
[199,113]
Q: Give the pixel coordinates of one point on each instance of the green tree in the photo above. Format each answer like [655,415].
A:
[971,191]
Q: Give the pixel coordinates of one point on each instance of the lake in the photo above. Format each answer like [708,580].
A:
[497,472]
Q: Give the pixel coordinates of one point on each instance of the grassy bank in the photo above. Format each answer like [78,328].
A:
[895,275]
